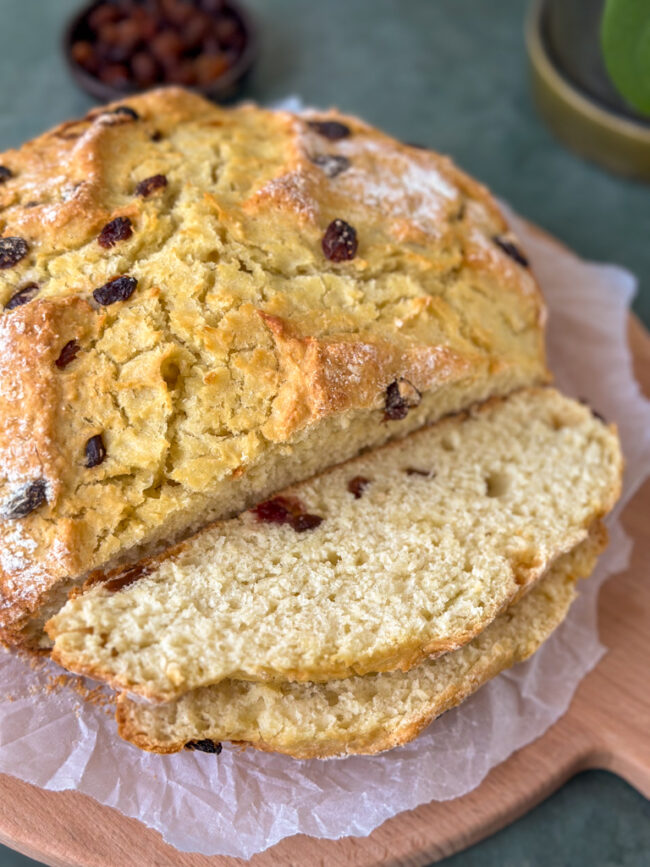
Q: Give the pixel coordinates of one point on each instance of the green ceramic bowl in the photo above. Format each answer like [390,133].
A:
[589,126]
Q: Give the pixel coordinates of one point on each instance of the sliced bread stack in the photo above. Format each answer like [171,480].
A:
[362,714]
[345,613]
[201,307]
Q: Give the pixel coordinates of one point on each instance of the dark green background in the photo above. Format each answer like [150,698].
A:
[450,74]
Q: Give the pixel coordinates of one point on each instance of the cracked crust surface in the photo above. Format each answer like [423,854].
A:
[244,360]
[361,715]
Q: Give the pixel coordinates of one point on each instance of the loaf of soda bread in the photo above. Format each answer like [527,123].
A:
[360,714]
[406,551]
[203,305]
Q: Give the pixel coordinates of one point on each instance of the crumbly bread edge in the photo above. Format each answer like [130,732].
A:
[585,556]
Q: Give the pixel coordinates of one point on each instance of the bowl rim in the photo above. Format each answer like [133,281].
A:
[224,83]
[572,96]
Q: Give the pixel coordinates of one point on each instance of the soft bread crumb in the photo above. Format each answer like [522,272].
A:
[360,714]
[417,565]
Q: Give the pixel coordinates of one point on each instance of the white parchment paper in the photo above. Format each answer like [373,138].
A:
[242,802]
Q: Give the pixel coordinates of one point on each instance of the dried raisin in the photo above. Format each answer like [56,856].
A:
[128,111]
[401,395]
[204,746]
[339,241]
[23,296]
[118,289]
[286,510]
[117,75]
[330,129]
[144,68]
[300,523]
[511,250]
[357,486]
[413,471]
[119,229]
[5,174]
[25,500]
[67,354]
[12,250]
[149,185]
[279,510]
[95,451]
[331,164]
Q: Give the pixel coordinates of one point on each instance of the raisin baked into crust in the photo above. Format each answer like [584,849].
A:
[203,305]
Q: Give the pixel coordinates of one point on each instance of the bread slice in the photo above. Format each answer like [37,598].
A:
[252,339]
[420,545]
[360,714]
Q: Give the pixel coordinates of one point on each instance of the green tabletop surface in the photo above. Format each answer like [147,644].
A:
[450,74]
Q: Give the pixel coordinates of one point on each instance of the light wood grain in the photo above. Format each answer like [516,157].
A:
[606,726]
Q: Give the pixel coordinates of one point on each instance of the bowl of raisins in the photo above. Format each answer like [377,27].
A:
[119,47]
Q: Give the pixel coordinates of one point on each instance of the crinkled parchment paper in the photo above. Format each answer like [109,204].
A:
[242,802]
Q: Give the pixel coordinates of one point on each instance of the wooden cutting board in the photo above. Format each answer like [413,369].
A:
[607,726]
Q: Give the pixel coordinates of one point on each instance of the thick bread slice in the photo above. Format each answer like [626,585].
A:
[360,714]
[243,350]
[452,523]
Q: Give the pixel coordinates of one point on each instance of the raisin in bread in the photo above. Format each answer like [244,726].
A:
[404,552]
[202,306]
[360,714]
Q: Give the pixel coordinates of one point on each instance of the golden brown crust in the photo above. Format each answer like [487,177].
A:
[35,400]
[315,380]
[65,180]
[240,335]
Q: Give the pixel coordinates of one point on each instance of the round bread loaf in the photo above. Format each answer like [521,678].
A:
[204,305]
